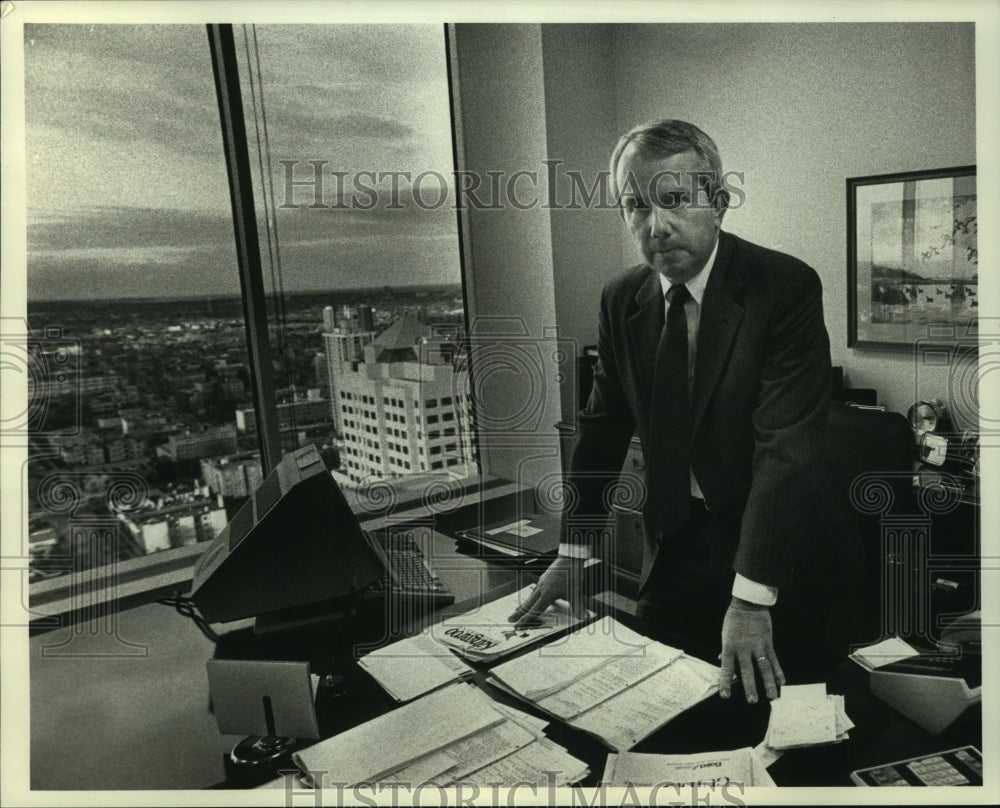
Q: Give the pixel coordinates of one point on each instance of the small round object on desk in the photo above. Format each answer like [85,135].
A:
[927,416]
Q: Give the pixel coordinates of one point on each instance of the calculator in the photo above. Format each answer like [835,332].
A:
[955,767]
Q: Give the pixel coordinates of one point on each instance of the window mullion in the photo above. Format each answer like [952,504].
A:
[227,87]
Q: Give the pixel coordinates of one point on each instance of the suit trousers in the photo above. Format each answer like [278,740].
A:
[689,590]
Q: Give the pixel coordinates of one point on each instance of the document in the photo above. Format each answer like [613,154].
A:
[486,747]
[371,750]
[427,661]
[540,763]
[556,665]
[454,734]
[606,680]
[883,653]
[804,715]
[709,769]
[637,711]
[609,681]
[486,634]
[414,666]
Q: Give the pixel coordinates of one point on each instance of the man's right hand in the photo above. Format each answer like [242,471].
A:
[563,580]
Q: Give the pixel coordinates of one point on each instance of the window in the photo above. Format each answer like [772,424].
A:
[177,373]
[154,390]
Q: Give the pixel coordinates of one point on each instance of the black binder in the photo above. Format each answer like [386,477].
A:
[524,538]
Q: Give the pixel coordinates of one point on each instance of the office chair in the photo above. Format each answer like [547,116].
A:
[872,454]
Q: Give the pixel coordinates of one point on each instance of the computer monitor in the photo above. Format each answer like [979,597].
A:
[294,543]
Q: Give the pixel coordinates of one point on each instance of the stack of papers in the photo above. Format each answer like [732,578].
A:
[883,653]
[457,734]
[485,634]
[609,681]
[414,666]
[804,715]
[425,662]
[710,769]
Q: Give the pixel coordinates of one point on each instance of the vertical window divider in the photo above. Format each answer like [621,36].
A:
[234,138]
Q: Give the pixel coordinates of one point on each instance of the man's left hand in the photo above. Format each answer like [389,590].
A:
[747,642]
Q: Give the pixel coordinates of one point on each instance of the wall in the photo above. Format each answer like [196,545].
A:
[798,108]
[497,77]
[581,129]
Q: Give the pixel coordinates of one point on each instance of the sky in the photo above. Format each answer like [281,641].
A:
[126,181]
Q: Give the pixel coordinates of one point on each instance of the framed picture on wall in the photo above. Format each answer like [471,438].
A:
[912,258]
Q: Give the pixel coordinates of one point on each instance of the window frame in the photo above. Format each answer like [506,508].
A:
[99,593]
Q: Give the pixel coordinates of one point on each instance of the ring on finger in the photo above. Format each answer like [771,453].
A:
[762,659]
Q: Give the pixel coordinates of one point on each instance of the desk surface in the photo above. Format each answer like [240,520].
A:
[881,734]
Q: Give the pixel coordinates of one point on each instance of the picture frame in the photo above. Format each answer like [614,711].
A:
[912,259]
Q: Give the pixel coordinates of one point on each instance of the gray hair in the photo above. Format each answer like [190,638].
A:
[665,138]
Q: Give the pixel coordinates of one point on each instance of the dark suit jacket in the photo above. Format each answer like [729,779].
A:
[759,404]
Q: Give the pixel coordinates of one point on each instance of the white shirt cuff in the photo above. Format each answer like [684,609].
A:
[751,591]
[574,550]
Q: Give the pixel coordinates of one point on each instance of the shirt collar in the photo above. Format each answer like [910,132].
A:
[696,286]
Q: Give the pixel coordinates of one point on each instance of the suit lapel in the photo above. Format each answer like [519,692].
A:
[721,314]
[645,327]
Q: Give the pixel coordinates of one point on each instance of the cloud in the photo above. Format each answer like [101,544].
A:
[107,252]
[105,229]
[371,126]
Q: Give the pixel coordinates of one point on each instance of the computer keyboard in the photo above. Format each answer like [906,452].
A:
[408,572]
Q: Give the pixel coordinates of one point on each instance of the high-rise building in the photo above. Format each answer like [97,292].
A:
[233,475]
[217,440]
[299,414]
[402,406]
[344,340]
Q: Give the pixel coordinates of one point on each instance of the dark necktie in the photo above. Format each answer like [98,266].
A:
[670,420]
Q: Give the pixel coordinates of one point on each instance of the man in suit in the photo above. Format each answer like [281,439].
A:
[715,352]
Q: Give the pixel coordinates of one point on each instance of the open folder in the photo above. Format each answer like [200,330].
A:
[609,681]
[525,538]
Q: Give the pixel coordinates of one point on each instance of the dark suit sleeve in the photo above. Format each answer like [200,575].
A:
[605,426]
[789,424]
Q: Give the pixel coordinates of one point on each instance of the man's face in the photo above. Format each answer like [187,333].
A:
[672,221]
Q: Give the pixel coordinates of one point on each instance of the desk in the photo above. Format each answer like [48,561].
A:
[880,735]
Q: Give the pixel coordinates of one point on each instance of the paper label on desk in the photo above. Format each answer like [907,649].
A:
[883,653]
[522,529]
[486,633]
[707,769]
